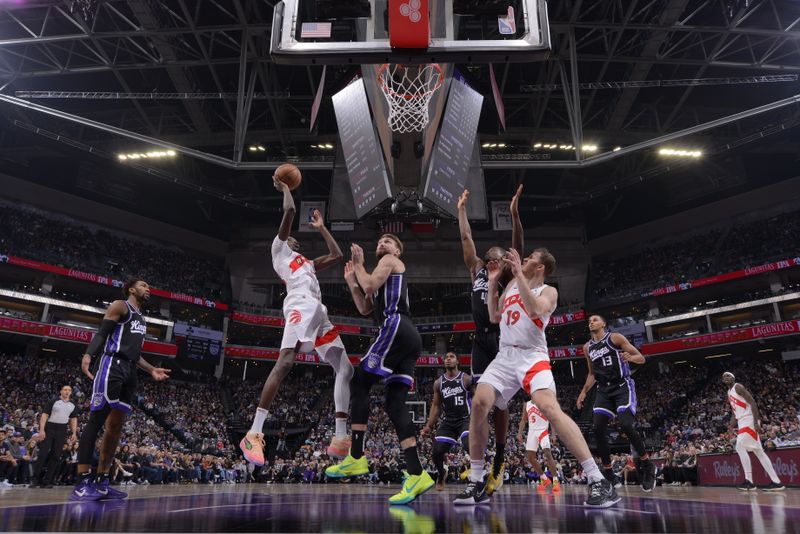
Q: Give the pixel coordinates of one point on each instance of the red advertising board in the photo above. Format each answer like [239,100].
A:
[108,281]
[736,335]
[77,335]
[726,469]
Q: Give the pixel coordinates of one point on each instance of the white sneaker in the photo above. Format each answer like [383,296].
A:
[6,484]
[126,473]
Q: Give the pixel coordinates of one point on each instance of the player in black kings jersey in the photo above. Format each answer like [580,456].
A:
[392,357]
[608,357]
[487,335]
[118,343]
[452,398]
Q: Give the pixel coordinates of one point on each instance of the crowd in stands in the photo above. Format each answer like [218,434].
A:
[704,254]
[36,235]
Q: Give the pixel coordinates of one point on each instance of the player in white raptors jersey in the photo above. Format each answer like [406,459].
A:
[539,436]
[523,361]
[746,416]
[306,328]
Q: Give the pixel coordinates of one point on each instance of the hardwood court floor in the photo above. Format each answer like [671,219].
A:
[360,508]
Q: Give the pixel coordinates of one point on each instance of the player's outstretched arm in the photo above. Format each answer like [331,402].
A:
[158,373]
[517,239]
[363,303]
[334,254]
[115,312]
[471,259]
[288,209]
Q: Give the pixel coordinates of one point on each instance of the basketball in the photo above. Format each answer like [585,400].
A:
[290,175]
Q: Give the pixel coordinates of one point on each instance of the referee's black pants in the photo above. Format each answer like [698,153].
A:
[50,452]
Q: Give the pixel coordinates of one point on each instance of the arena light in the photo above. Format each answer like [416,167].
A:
[718,356]
[590,148]
[153,154]
[538,145]
[766,350]
[486,145]
[617,149]
[682,153]
[501,145]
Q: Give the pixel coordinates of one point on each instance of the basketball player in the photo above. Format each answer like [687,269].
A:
[485,346]
[119,340]
[523,361]
[608,357]
[391,357]
[307,328]
[451,395]
[538,436]
[748,420]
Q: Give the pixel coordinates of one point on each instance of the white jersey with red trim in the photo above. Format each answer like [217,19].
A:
[295,270]
[517,328]
[537,422]
[741,409]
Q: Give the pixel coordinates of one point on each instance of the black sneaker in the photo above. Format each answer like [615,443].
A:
[648,474]
[611,477]
[746,486]
[602,494]
[774,486]
[474,493]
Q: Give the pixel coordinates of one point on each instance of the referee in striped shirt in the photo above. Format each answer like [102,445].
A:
[56,416]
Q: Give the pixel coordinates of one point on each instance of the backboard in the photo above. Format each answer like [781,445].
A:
[316,32]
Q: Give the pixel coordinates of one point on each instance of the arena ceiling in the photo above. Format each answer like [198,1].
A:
[621,72]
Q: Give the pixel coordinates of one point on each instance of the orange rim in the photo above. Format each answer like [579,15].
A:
[409,96]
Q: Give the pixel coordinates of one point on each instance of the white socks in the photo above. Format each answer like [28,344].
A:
[258,421]
[593,473]
[341,427]
[476,470]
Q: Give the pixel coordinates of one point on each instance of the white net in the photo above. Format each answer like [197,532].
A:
[408,90]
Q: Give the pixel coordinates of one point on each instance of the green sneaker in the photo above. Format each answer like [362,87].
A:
[413,487]
[349,467]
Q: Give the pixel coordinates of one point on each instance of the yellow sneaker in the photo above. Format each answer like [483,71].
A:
[413,487]
[349,467]
[252,446]
[413,523]
[464,475]
[494,483]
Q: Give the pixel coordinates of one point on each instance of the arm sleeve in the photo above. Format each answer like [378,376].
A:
[99,339]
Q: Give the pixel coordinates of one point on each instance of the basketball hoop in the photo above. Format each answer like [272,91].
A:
[408,90]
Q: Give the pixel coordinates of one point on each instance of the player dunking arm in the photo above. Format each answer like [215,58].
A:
[608,357]
[393,357]
[747,418]
[119,343]
[538,436]
[523,361]
[451,396]
[485,346]
[307,328]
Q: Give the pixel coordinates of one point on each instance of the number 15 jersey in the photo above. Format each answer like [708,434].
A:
[517,328]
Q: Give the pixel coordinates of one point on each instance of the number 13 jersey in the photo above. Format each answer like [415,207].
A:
[517,328]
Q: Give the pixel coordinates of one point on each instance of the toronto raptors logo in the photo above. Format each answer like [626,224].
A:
[295,317]
[411,10]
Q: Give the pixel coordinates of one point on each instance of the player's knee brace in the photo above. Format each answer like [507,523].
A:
[397,410]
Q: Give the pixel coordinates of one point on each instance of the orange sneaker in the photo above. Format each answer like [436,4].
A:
[252,446]
[546,482]
[339,447]
[556,486]
[541,488]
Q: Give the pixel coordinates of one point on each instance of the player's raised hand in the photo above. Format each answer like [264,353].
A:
[513,260]
[514,206]
[159,373]
[349,273]
[462,200]
[280,186]
[494,270]
[316,221]
[356,255]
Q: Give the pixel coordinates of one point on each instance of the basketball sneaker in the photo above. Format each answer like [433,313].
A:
[774,486]
[349,467]
[746,486]
[108,493]
[648,473]
[474,493]
[602,494]
[252,446]
[495,481]
[556,486]
[339,447]
[84,491]
[464,474]
[413,487]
